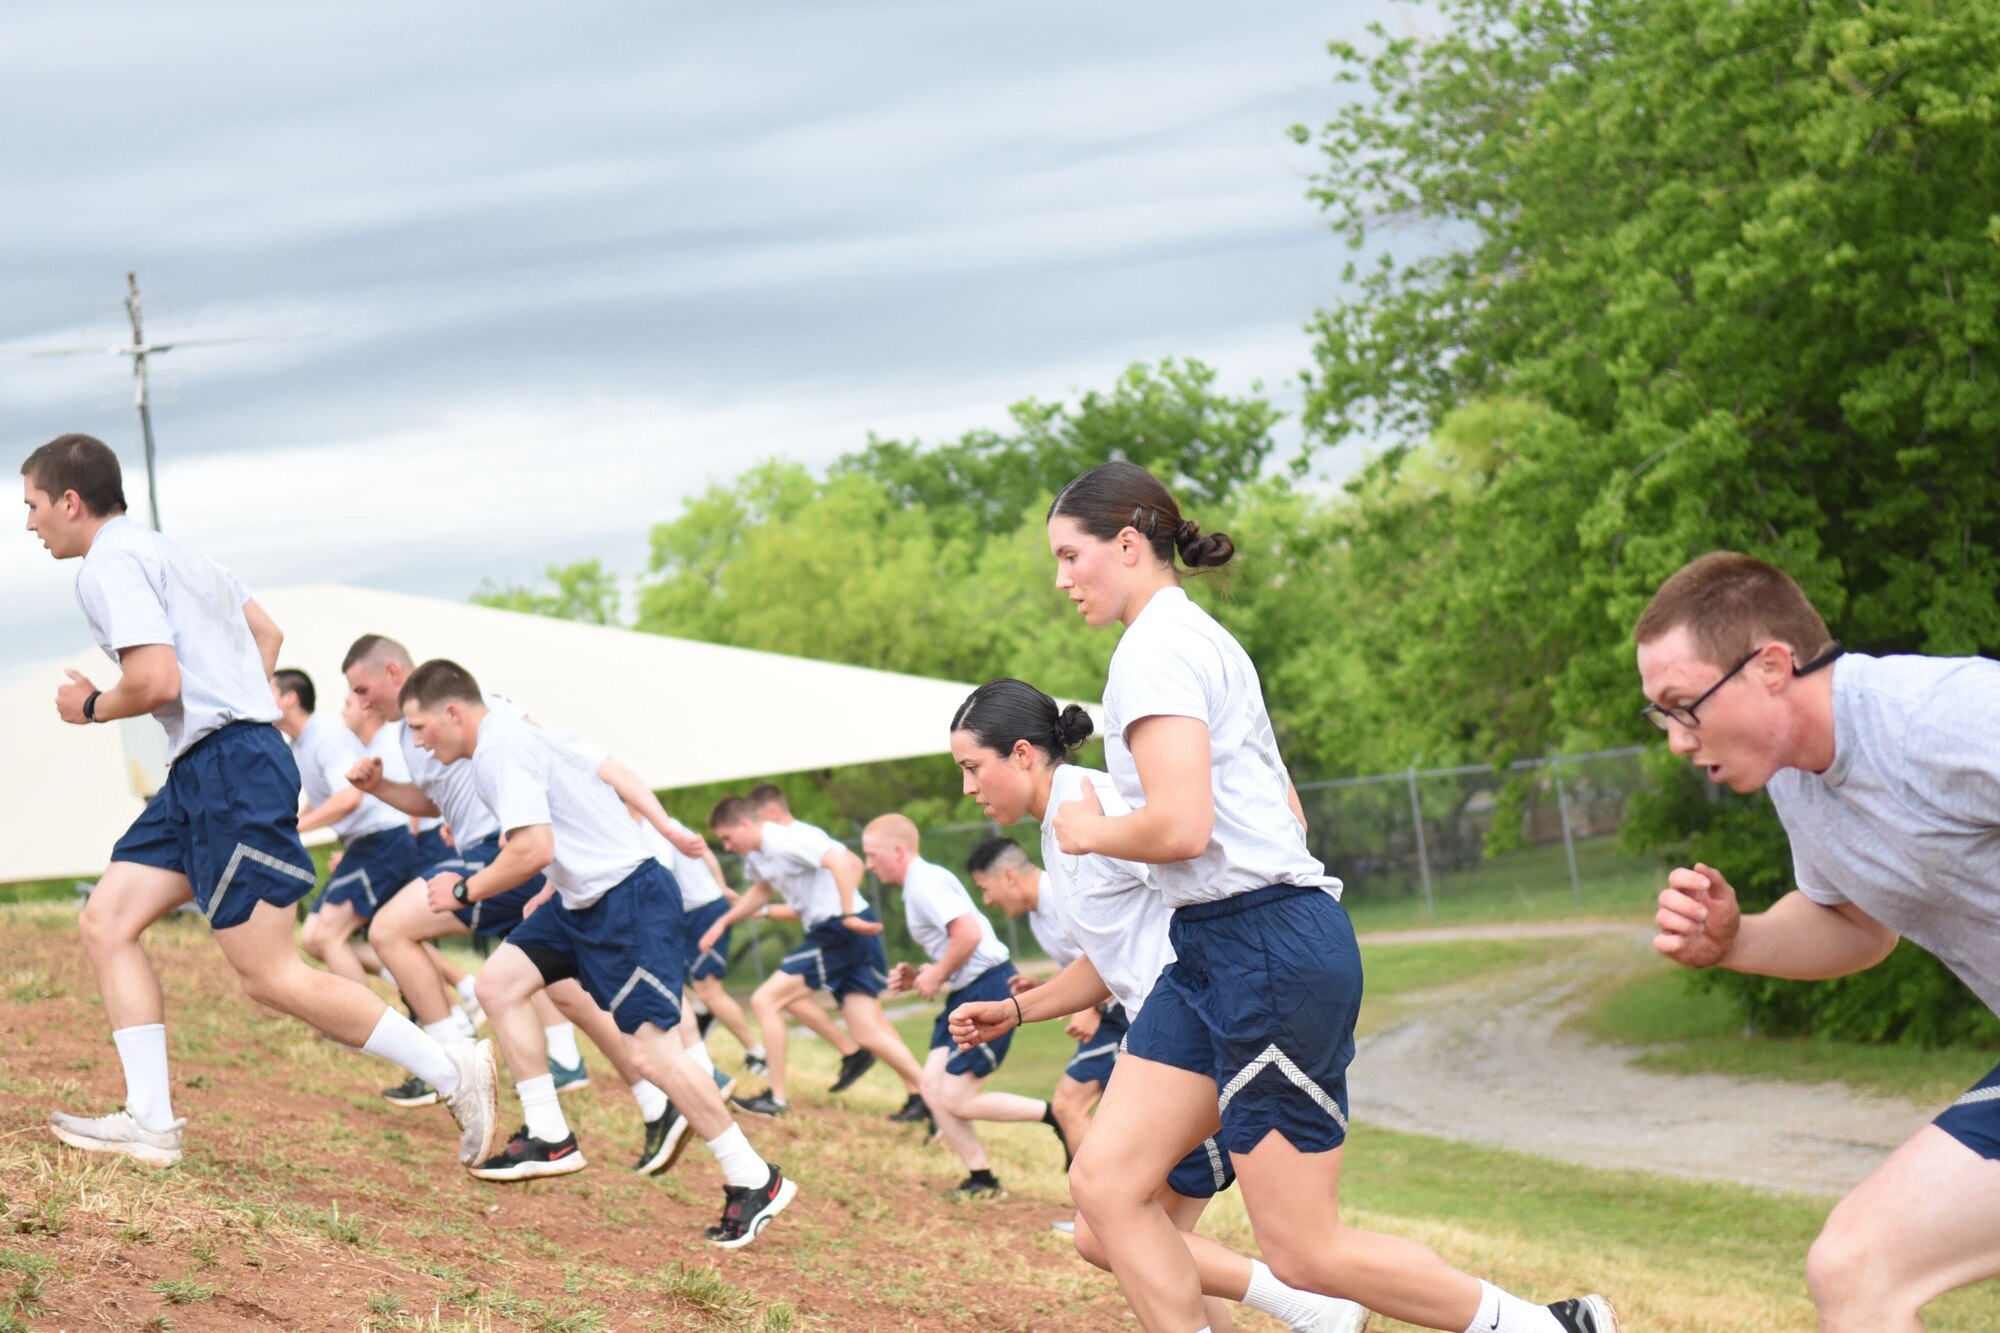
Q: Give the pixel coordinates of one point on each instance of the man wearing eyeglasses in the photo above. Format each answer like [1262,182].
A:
[1886,774]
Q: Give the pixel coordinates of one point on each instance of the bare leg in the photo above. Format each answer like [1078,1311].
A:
[812,1016]
[128,899]
[663,1059]
[1925,1222]
[1225,1275]
[273,974]
[402,931]
[723,1005]
[451,973]
[507,986]
[769,1001]
[1072,1103]
[364,953]
[871,1028]
[953,1128]
[573,1003]
[326,935]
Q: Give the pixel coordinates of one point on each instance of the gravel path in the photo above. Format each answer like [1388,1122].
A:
[1489,1062]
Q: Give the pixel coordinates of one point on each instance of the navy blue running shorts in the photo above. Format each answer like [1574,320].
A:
[834,958]
[629,949]
[984,1058]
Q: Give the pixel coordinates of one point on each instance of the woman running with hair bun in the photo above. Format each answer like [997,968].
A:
[1011,743]
[1248,1033]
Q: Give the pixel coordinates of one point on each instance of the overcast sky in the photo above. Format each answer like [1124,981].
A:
[571,264]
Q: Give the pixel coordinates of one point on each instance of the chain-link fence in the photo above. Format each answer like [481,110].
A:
[1535,839]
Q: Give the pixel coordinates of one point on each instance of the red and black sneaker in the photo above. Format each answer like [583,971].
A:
[528,1158]
[746,1210]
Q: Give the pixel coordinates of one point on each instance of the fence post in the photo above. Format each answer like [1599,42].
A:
[1423,853]
[1569,839]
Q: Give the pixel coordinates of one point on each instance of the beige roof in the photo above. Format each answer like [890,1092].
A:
[679,712]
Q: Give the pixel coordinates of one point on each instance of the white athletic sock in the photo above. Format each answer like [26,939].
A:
[542,1110]
[758,1051]
[1502,1313]
[466,990]
[447,1033]
[463,1022]
[1299,1309]
[562,1044]
[401,1042]
[741,1166]
[148,1091]
[703,1060]
[652,1102]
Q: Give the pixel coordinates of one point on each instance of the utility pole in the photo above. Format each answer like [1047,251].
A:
[141,351]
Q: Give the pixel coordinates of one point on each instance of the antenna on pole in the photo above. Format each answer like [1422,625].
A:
[140,351]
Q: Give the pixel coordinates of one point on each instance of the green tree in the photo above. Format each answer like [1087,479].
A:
[583,590]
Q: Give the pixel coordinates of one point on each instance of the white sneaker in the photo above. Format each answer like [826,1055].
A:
[1336,1316]
[469,1003]
[462,1022]
[120,1133]
[475,1104]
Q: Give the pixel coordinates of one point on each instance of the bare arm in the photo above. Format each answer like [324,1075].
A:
[635,793]
[1701,925]
[1072,990]
[747,905]
[151,680]
[267,634]
[408,797]
[527,853]
[962,939]
[847,871]
[332,810]
[1298,808]
[1178,818]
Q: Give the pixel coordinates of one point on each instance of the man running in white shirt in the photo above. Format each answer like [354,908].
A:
[613,924]
[842,952]
[196,651]
[968,964]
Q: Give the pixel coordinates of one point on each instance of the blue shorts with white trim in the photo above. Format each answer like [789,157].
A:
[708,962]
[1974,1119]
[1094,1054]
[984,1058]
[1261,997]
[834,958]
[489,917]
[372,869]
[629,949]
[1204,1173]
[228,820]
[431,846]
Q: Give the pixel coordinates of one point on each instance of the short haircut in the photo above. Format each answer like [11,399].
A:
[896,828]
[1730,603]
[768,793]
[731,810]
[996,853]
[439,681]
[290,680]
[80,463]
[378,648]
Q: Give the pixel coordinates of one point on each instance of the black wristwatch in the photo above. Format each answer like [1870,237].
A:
[90,706]
[458,893]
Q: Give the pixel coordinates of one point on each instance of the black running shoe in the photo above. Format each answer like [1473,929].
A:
[755,1064]
[412,1091]
[527,1158]
[1049,1119]
[914,1112]
[763,1104]
[746,1211]
[665,1137]
[852,1067]
[703,1021]
[1586,1314]
[979,1186]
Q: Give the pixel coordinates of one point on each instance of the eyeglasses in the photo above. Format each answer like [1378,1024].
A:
[1661,714]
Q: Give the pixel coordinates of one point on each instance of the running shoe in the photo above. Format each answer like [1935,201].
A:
[1336,1316]
[755,1063]
[412,1091]
[528,1158]
[665,1137]
[852,1067]
[914,1112]
[747,1211]
[475,1103]
[473,1013]
[724,1084]
[978,1187]
[568,1077]
[763,1104]
[1065,1225]
[1586,1314]
[120,1133]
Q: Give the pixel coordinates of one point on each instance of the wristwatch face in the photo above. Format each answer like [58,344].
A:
[458,891]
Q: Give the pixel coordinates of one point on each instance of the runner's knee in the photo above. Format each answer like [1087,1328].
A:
[1848,1273]
[1089,1248]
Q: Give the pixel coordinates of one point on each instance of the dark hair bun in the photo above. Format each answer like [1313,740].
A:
[1197,551]
[1074,726]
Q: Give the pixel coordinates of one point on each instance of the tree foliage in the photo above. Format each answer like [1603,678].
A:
[583,590]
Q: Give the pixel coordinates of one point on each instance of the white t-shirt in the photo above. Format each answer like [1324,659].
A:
[1175,660]
[451,787]
[527,777]
[933,899]
[789,861]
[698,887]
[1045,919]
[1108,908]
[325,752]
[1906,823]
[137,588]
[387,745]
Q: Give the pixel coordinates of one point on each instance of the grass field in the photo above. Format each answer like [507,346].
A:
[1531,884]
[1688,1030]
[306,1202]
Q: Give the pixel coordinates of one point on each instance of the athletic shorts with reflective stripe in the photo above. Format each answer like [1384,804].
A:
[1094,1054]
[228,819]
[1974,1119]
[371,870]
[628,950]
[987,1056]
[834,958]
[489,917]
[1261,997]
[708,962]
